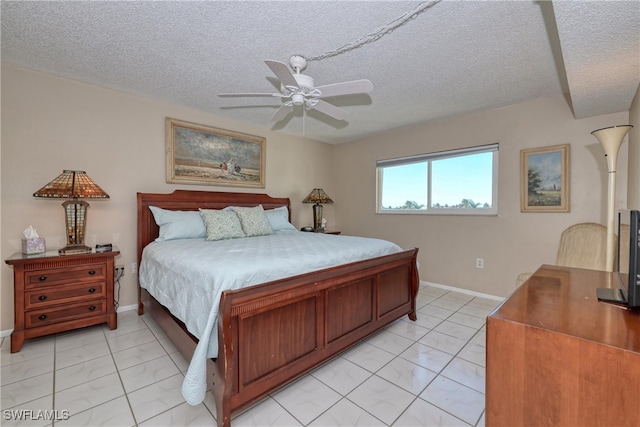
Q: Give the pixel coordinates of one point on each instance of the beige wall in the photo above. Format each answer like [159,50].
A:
[50,124]
[633,190]
[511,242]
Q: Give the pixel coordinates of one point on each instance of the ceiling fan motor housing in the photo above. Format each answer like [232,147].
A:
[304,82]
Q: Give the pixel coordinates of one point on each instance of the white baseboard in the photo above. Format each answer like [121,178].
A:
[127,308]
[462,291]
[6,333]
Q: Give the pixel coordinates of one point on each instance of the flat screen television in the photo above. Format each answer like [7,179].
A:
[627,269]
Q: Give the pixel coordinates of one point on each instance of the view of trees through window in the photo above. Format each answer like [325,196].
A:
[444,182]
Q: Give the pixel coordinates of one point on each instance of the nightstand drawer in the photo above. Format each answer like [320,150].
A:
[65,312]
[60,295]
[83,273]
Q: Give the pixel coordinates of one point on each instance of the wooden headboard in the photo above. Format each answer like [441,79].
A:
[186,200]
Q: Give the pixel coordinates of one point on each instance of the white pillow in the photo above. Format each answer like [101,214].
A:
[178,224]
[221,224]
[279,219]
[254,221]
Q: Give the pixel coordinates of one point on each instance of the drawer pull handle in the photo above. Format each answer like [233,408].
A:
[92,308]
[42,316]
[42,278]
[92,272]
[92,290]
[42,297]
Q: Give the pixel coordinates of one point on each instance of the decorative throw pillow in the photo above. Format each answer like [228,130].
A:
[178,224]
[221,224]
[254,221]
[279,219]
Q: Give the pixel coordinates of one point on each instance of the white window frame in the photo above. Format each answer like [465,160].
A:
[420,158]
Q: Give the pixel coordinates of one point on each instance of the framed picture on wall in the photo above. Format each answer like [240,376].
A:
[204,155]
[545,179]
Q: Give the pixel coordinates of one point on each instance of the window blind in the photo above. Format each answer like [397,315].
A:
[437,155]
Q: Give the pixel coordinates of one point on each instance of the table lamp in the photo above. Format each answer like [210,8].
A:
[317,196]
[73,185]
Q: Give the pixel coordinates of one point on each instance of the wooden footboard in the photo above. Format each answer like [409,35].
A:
[272,333]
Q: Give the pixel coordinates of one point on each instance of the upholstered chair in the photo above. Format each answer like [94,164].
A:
[582,246]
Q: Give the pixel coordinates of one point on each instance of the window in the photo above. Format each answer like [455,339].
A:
[463,181]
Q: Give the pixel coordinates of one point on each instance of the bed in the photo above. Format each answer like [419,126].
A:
[270,333]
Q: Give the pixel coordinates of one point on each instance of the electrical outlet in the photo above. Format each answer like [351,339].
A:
[479,262]
[134,267]
[119,271]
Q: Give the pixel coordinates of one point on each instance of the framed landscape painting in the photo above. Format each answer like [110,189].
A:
[545,179]
[204,155]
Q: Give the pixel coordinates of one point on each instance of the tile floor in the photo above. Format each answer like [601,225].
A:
[425,373]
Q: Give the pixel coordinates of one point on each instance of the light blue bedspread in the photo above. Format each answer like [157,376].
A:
[188,277]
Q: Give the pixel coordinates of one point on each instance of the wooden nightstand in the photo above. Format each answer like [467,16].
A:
[323,232]
[55,293]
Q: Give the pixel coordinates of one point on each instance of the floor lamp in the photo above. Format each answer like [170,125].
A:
[611,139]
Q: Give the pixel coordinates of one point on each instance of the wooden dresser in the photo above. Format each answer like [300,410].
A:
[55,293]
[558,357]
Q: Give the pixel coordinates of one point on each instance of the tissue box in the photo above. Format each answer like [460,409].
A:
[33,246]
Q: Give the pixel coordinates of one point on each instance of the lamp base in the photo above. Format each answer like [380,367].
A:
[317,217]
[74,250]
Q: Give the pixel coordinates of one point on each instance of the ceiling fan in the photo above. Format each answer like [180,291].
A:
[297,89]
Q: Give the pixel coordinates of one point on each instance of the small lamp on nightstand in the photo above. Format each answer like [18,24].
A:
[73,185]
[317,196]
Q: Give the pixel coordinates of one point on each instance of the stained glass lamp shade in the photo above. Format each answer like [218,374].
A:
[73,186]
[317,196]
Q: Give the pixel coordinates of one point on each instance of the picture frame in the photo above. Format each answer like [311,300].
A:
[545,179]
[206,155]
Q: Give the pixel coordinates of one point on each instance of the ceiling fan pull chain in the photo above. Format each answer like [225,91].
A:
[379,33]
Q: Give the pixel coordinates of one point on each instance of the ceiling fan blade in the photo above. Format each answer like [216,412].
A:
[282,72]
[345,88]
[277,95]
[281,113]
[304,121]
[330,110]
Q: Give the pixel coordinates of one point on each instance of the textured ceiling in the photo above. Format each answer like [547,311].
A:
[457,57]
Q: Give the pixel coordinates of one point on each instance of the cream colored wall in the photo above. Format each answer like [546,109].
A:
[633,190]
[511,242]
[50,124]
